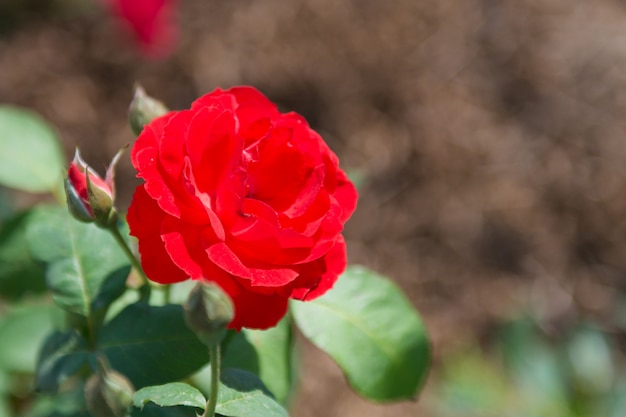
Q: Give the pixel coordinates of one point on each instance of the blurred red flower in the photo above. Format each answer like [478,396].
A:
[151,22]
[242,195]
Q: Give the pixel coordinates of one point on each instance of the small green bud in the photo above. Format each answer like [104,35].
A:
[143,109]
[108,393]
[101,204]
[208,312]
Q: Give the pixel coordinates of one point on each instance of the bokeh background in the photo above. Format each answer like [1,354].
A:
[487,138]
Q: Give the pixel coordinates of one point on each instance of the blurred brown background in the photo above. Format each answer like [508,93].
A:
[488,137]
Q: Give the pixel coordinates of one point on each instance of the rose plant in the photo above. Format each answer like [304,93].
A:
[189,301]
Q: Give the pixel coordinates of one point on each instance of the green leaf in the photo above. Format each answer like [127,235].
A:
[535,366]
[151,345]
[5,389]
[20,274]
[168,395]
[470,385]
[238,352]
[267,353]
[62,355]
[591,362]
[30,155]
[371,330]
[86,268]
[66,404]
[7,206]
[616,403]
[23,330]
[113,286]
[242,394]
[153,410]
[5,410]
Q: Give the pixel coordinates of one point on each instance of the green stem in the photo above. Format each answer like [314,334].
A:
[166,293]
[214,355]
[145,287]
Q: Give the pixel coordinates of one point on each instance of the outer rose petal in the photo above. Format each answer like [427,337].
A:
[254,111]
[158,156]
[145,219]
[257,311]
[319,276]
[345,195]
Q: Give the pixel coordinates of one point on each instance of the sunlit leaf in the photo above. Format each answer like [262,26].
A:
[242,394]
[168,395]
[371,330]
[86,268]
[30,155]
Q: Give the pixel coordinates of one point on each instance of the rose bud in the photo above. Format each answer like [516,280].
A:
[143,109]
[108,393]
[208,311]
[89,197]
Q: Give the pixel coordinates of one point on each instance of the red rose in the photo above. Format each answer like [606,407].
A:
[150,21]
[240,194]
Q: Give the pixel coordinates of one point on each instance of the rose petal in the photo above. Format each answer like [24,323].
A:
[273,276]
[147,142]
[159,158]
[172,144]
[287,154]
[217,98]
[345,195]
[257,311]
[212,143]
[211,217]
[319,276]
[183,245]
[144,219]
[258,235]
[250,96]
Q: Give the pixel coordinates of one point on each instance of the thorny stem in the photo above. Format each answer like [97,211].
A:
[214,356]
[145,287]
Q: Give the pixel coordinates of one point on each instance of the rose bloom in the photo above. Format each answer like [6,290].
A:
[242,195]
